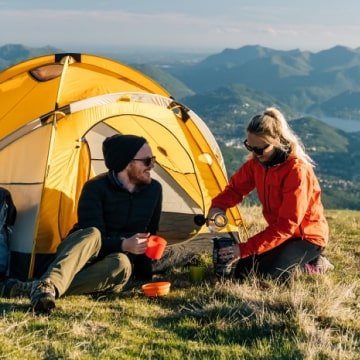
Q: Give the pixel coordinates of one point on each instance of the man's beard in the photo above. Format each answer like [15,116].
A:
[136,180]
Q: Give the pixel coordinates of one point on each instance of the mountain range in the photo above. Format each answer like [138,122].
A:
[228,88]
[317,83]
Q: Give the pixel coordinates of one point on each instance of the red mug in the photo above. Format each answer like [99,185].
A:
[155,247]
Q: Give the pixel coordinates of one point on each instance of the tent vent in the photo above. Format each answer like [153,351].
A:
[75,57]
[47,72]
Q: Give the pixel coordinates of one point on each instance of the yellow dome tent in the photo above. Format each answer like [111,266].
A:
[55,112]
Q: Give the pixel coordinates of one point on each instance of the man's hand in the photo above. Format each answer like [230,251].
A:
[136,244]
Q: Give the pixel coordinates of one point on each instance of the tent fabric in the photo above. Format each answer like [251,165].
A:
[57,110]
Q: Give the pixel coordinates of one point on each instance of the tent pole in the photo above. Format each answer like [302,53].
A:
[32,260]
[51,143]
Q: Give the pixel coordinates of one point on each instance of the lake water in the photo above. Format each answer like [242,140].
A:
[342,124]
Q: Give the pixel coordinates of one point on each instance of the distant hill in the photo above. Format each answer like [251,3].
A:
[174,86]
[319,137]
[344,105]
[11,54]
[337,157]
[230,58]
[227,109]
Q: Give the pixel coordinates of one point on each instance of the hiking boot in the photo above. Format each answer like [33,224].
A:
[323,264]
[311,269]
[12,288]
[42,296]
[319,266]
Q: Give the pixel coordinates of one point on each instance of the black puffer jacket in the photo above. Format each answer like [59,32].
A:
[116,212]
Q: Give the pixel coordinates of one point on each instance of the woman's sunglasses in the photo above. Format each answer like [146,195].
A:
[146,161]
[256,150]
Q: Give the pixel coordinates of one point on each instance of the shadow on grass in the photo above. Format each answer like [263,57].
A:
[227,326]
[215,316]
[8,306]
[223,325]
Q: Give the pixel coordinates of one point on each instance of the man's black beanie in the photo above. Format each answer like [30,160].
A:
[119,150]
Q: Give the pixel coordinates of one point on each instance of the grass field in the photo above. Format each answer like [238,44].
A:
[313,317]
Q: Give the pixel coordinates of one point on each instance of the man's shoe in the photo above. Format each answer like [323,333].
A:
[42,296]
[12,288]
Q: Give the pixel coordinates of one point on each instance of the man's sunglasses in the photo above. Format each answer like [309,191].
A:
[256,150]
[146,161]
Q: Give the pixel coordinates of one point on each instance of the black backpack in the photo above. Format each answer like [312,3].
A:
[7,219]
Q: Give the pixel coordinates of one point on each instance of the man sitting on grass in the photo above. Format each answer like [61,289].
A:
[117,211]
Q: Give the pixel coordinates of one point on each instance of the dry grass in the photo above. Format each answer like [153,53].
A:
[312,317]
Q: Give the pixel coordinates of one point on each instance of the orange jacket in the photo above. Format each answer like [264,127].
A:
[290,196]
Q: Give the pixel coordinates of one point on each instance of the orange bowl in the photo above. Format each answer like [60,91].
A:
[156,288]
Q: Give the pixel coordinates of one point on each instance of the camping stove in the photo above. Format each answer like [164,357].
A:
[222,268]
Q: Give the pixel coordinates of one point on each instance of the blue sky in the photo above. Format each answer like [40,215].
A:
[186,25]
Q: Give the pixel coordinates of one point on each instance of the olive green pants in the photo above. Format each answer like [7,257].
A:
[73,273]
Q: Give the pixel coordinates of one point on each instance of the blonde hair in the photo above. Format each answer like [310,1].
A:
[272,127]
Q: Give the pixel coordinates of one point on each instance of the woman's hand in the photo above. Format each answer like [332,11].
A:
[136,244]
[212,212]
[216,219]
[230,254]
